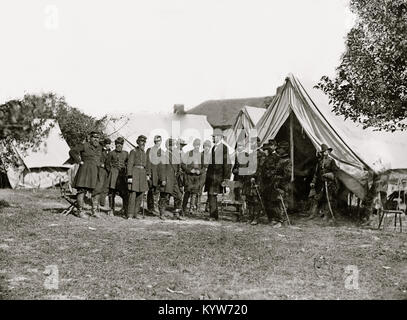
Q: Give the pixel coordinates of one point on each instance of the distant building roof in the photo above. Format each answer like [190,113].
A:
[222,113]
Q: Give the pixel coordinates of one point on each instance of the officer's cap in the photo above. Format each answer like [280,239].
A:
[119,140]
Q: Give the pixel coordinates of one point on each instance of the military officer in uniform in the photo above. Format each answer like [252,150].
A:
[280,185]
[324,178]
[168,178]
[137,177]
[268,162]
[116,166]
[192,166]
[102,188]
[88,155]
[154,155]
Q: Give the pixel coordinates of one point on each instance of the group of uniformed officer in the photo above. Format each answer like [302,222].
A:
[264,174]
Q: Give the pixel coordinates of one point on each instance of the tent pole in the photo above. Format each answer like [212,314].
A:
[292,156]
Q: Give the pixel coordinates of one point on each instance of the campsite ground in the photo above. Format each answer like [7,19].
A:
[113,258]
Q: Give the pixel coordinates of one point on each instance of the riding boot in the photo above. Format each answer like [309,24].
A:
[192,204]
[81,202]
[95,202]
[111,204]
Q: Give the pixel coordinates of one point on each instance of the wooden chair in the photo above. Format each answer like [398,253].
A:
[398,212]
[68,195]
[228,198]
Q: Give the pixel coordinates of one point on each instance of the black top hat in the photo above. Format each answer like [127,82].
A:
[182,142]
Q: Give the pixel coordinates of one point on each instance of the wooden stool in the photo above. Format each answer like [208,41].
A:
[397,213]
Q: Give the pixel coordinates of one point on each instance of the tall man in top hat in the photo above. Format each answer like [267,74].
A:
[88,155]
[116,166]
[240,154]
[137,177]
[206,159]
[219,171]
[154,155]
[168,177]
[324,178]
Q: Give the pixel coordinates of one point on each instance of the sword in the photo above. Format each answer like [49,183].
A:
[285,210]
[327,199]
[142,205]
[260,198]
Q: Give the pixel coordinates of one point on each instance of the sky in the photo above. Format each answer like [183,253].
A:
[118,56]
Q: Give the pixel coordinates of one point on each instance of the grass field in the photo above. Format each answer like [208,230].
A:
[113,258]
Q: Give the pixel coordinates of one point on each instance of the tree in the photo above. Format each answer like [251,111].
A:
[370,86]
[75,125]
[21,124]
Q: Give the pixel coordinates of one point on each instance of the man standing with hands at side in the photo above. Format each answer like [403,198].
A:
[137,177]
[154,155]
[219,171]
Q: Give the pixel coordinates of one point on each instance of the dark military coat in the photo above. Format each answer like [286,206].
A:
[153,159]
[193,161]
[325,165]
[116,163]
[281,179]
[137,170]
[87,174]
[169,171]
[267,169]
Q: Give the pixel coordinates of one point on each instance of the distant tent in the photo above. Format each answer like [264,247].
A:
[184,126]
[245,121]
[293,116]
[42,167]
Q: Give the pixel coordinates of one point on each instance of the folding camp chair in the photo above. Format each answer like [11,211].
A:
[69,196]
[400,208]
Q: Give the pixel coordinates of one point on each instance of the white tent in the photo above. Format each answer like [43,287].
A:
[186,126]
[42,167]
[358,151]
[245,121]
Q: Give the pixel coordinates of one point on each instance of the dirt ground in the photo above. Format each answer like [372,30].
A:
[45,255]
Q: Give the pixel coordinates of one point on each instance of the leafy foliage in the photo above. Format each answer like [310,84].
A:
[371,82]
[22,124]
[75,125]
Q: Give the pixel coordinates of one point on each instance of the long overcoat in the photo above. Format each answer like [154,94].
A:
[136,169]
[116,166]
[102,183]
[218,170]
[87,174]
[169,171]
[193,169]
[153,159]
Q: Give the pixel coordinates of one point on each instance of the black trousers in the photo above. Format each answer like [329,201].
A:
[152,198]
[134,203]
[213,206]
